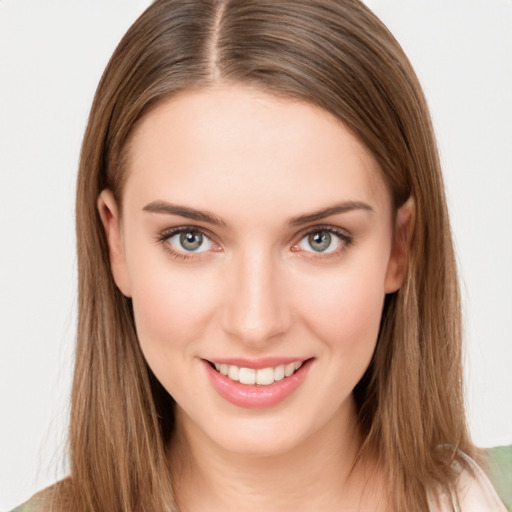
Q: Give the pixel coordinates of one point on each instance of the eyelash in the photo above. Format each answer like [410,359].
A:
[164,237]
[345,241]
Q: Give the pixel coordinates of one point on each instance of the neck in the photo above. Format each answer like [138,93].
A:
[318,474]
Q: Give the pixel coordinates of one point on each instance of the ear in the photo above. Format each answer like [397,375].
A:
[402,231]
[111,220]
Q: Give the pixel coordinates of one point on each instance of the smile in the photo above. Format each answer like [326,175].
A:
[261,377]
[266,386]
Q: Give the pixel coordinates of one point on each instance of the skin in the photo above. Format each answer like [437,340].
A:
[258,288]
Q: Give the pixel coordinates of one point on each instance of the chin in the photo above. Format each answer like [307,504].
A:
[246,433]
[259,441]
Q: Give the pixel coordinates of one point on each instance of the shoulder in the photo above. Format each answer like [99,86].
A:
[500,465]
[43,501]
[475,489]
[475,492]
[34,504]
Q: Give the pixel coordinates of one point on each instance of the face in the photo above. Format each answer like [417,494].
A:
[257,242]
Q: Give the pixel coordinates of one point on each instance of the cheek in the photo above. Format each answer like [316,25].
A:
[349,314]
[345,319]
[172,308]
[345,310]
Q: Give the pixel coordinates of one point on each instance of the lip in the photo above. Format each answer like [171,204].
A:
[257,364]
[254,396]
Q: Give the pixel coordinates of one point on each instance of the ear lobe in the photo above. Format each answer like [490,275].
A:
[402,231]
[111,220]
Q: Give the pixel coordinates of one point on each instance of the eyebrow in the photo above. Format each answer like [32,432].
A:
[344,207]
[210,218]
[184,211]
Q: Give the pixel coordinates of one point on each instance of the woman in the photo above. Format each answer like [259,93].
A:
[267,286]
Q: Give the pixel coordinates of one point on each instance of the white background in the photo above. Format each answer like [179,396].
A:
[52,53]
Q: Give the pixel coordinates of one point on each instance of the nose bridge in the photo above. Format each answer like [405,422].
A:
[257,309]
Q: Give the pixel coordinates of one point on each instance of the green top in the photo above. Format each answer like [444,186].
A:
[32,505]
[500,465]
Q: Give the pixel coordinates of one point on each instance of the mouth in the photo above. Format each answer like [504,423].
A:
[249,387]
[260,376]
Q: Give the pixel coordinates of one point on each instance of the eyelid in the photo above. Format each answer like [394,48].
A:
[165,235]
[345,237]
[341,232]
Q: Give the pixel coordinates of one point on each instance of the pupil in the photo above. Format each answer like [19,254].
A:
[191,241]
[320,241]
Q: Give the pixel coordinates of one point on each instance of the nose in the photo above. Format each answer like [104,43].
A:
[257,309]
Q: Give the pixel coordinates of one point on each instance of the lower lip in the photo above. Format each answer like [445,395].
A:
[246,395]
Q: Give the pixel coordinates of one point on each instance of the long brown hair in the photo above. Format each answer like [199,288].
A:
[335,54]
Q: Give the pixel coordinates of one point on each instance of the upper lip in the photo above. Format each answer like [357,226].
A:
[256,364]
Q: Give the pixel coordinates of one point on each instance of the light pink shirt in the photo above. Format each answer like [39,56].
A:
[475,492]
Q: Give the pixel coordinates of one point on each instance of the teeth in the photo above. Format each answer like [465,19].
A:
[262,377]
[279,372]
[234,372]
[247,376]
[265,376]
[289,369]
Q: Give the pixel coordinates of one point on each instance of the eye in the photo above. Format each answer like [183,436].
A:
[189,241]
[323,241]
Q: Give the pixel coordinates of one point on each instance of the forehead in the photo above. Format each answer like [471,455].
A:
[249,147]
